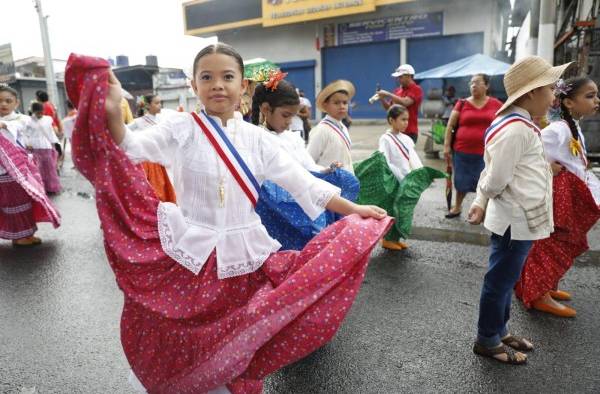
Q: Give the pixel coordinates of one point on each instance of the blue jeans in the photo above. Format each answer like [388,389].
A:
[507,258]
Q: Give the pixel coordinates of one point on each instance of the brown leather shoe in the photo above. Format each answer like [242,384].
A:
[555,308]
[29,241]
[560,295]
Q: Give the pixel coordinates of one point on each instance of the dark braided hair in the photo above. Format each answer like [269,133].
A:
[573,85]
[284,94]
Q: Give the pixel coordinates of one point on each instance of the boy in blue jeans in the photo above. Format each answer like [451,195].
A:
[514,195]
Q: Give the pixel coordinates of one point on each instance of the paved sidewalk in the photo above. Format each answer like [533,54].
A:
[429,221]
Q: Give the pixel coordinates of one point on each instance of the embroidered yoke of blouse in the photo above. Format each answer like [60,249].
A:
[191,230]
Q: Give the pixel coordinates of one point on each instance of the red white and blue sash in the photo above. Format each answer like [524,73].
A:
[230,156]
[342,133]
[498,126]
[401,147]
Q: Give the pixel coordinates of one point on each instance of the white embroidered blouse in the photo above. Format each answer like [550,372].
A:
[143,122]
[293,144]
[39,133]
[15,127]
[190,231]
[399,164]
[556,138]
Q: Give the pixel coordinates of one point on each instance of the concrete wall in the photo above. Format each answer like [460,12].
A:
[525,44]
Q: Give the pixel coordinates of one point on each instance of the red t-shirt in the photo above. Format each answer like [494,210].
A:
[415,92]
[51,111]
[472,123]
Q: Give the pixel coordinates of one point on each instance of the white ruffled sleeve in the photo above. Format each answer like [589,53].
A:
[15,129]
[554,139]
[311,193]
[160,142]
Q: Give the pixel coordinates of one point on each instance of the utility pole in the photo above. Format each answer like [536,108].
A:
[547,30]
[49,67]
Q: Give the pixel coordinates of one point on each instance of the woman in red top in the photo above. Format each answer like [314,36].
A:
[470,118]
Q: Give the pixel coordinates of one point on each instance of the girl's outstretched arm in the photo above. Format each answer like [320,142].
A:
[345,207]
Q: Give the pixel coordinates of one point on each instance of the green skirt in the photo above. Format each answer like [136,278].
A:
[379,186]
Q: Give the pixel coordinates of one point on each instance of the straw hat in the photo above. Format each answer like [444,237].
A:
[527,74]
[333,87]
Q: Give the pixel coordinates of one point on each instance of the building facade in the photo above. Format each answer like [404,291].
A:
[317,42]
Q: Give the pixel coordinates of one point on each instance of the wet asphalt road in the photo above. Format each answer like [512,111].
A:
[410,330]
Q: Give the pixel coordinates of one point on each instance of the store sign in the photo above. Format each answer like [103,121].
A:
[7,64]
[281,12]
[393,28]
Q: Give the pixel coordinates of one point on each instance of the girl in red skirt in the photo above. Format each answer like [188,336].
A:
[209,301]
[576,195]
[23,201]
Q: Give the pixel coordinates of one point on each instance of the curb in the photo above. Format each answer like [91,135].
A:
[479,239]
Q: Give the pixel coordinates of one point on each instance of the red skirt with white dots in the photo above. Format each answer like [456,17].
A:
[187,333]
[575,213]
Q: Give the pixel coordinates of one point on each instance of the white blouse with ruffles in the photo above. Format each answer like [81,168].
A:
[39,133]
[143,122]
[399,165]
[15,127]
[556,138]
[191,230]
[293,144]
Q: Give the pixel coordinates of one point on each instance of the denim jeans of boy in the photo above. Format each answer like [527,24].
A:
[507,258]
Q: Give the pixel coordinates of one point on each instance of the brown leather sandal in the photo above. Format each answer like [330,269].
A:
[511,355]
[517,343]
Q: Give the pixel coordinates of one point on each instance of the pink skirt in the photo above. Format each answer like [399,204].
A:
[46,162]
[16,210]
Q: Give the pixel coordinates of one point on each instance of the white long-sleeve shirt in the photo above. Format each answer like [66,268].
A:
[556,138]
[293,144]
[326,146]
[191,231]
[516,183]
[401,159]
[39,133]
[14,131]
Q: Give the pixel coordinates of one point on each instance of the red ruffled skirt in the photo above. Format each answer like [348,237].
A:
[186,333]
[575,213]
[16,210]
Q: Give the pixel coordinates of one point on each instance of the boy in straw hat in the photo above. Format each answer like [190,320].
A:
[329,141]
[514,195]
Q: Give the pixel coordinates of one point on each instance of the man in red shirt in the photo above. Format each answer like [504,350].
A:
[408,94]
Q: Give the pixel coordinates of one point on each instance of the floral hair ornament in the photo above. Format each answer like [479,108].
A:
[561,88]
[275,76]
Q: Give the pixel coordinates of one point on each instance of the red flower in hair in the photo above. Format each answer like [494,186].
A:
[275,76]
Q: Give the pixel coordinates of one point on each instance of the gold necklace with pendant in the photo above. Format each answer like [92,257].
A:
[221,187]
